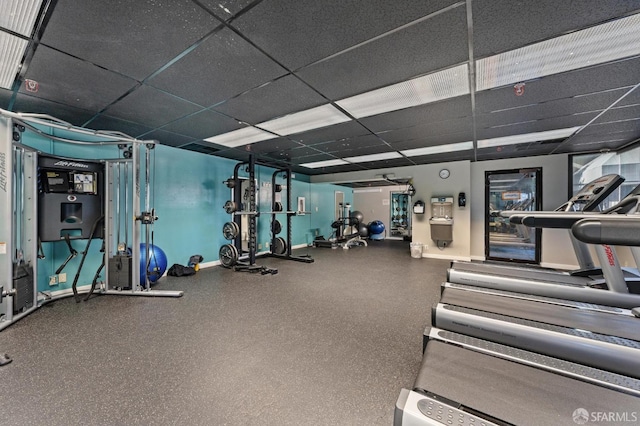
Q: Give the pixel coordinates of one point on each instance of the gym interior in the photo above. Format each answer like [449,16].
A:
[285,212]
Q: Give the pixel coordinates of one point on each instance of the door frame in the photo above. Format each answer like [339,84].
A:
[538,206]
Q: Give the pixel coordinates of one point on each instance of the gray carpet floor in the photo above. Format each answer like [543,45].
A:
[327,343]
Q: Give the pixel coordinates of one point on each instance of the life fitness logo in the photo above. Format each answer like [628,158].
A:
[581,416]
[610,256]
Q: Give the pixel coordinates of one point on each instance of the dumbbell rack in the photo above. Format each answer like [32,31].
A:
[280,247]
[231,253]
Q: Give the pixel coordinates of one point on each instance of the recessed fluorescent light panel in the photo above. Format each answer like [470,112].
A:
[439,149]
[313,118]
[596,45]
[18,16]
[11,51]
[326,163]
[240,137]
[429,88]
[528,137]
[374,157]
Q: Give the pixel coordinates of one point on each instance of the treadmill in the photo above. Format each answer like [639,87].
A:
[485,362]
[624,288]
[587,200]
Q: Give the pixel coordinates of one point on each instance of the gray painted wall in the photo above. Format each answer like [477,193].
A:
[468,228]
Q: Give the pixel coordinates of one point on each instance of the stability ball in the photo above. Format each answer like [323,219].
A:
[357,217]
[376,230]
[157,264]
[363,230]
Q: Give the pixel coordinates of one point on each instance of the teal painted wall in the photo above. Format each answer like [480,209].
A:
[188,195]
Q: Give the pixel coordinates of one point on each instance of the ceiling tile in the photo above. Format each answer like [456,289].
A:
[527,22]
[356,142]
[536,126]
[283,96]
[631,98]
[31,104]
[330,133]
[151,107]
[150,32]
[433,141]
[74,82]
[442,158]
[310,158]
[272,145]
[620,113]
[429,113]
[169,138]
[203,149]
[299,32]
[104,122]
[226,9]
[613,128]
[396,162]
[596,142]
[561,107]
[587,80]
[203,124]
[433,131]
[224,65]
[394,58]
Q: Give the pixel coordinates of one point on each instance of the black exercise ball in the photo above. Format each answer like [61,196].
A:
[363,230]
[357,216]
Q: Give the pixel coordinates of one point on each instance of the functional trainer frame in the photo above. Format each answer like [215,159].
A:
[19,208]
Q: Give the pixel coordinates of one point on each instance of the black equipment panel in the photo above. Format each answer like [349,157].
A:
[71,197]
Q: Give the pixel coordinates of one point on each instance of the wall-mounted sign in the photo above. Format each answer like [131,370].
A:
[511,195]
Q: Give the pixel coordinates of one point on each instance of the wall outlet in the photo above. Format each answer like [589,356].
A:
[259,246]
[266,245]
[62,278]
[53,279]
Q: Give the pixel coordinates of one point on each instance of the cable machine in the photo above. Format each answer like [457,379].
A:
[44,198]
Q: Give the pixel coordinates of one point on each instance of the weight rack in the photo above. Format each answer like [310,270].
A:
[280,247]
[230,253]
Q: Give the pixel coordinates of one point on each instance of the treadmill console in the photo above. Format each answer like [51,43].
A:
[592,194]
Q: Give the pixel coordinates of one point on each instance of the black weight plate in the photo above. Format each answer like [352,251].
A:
[228,255]
[277,206]
[230,230]
[277,188]
[276,227]
[280,246]
[230,207]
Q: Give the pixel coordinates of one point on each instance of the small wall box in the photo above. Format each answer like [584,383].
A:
[418,207]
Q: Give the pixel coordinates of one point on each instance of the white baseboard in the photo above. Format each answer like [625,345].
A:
[447,257]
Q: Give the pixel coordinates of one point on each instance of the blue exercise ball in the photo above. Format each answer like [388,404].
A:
[376,227]
[156,266]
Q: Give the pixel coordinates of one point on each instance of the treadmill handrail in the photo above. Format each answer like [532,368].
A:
[620,230]
[545,219]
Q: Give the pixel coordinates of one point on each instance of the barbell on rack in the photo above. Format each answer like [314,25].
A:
[232,208]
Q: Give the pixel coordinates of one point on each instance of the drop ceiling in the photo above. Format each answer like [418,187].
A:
[333,86]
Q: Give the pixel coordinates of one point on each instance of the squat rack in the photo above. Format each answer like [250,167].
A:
[232,255]
[279,247]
